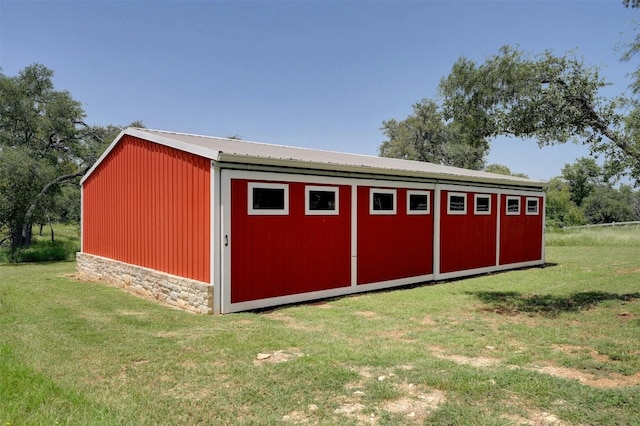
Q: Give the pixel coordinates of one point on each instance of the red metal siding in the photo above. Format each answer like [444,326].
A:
[467,241]
[289,254]
[149,205]
[521,234]
[393,246]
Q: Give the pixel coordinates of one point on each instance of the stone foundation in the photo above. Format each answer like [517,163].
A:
[183,293]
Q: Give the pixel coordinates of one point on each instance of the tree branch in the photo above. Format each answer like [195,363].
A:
[34,203]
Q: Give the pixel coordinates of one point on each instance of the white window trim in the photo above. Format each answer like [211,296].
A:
[267,212]
[410,193]
[307,195]
[506,205]
[394,192]
[537,212]
[457,194]
[475,204]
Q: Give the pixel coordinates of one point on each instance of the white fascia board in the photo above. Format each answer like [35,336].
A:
[103,156]
[150,135]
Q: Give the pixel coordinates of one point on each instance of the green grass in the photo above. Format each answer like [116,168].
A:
[628,236]
[531,346]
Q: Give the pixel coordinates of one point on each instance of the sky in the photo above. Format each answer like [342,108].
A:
[314,74]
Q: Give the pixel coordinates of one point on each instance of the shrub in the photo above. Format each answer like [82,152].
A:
[44,251]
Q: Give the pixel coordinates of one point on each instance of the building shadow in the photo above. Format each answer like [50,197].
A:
[513,303]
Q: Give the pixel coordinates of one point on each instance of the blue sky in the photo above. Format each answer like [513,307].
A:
[317,74]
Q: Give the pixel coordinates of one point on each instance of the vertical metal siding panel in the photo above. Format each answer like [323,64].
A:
[161,227]
[189,205]
[143,194]
[124,176]
[151,207]
[131,212]
[205,217]
[172,212]
[182,249]
[198,222]
[186,231]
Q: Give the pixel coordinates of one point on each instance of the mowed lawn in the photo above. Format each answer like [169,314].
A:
[558,345]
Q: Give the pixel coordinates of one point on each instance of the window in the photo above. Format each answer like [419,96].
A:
[483,204]
[532,206]
[382,201]
[418,202]
[268,198]
[513,205]
[457,203]
[321,200]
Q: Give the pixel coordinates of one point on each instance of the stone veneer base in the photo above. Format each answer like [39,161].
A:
[183,293]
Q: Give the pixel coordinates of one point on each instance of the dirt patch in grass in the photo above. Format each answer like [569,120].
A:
[612,381]
[478,362]
[529,416]
[417,403]
[321,304]
[368,314]
[277,357]
[534,419]
[427,320]
[597,356]
[414,404]
[293,323]
[628,271]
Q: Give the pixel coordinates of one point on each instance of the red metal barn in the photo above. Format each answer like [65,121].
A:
[217,225]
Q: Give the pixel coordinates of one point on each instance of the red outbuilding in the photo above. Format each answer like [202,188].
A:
[217,225]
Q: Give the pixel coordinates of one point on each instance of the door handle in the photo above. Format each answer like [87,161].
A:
[226,240]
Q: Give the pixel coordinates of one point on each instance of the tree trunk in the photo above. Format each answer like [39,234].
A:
[51,227]
[26,224]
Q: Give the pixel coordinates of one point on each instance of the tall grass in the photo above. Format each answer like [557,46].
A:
[612,236]
[65,245]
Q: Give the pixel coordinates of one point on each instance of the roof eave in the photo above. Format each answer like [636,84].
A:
[294,163]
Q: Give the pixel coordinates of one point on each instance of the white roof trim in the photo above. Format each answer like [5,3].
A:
[244,152]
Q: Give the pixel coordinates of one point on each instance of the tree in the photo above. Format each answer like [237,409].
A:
[582,177]
[44,143]
[606,205]
[560,210]
[550,98]
[501,169]
[426,136]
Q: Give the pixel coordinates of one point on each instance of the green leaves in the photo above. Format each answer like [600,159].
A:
[43,143]
[425,135]
[550,98]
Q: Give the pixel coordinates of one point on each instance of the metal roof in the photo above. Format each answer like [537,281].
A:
[244,152]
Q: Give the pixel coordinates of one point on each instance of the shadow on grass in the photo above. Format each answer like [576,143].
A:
[512,303]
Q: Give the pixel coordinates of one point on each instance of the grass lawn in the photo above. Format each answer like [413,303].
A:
[558,345]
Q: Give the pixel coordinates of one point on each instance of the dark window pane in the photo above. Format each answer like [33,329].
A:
[513,205]
[322,200]
[382,201]
[456,203]
[419,202]
[268,198]
[482,204]
[532,206]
